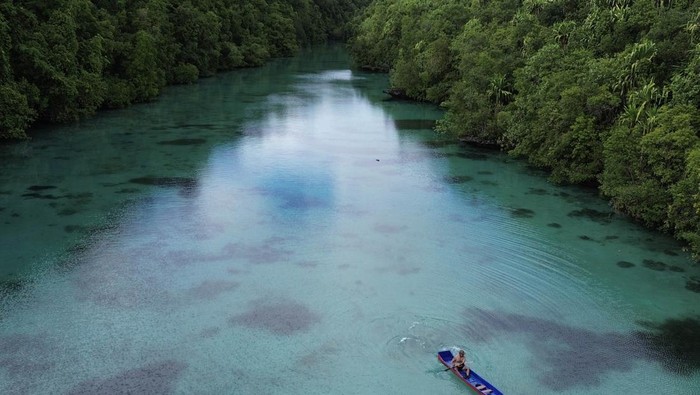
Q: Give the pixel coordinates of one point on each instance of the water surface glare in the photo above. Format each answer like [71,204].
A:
[289,230]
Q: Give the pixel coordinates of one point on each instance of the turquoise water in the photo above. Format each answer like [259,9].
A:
[289,230]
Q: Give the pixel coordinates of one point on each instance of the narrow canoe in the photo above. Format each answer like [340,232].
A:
[476,382]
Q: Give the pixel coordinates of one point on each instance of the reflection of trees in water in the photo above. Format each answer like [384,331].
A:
[568,356]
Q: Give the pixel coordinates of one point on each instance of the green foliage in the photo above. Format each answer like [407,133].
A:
[119,93]
[197,33]
[666,147]
[231,56]
[642,169]
[255,53]
[142,70]
[377,34]
[685,85]
[426,63]
[654,176]
[16,113]
[603,92]
[684,212]
[185,74]
[5,45]
[556,119]
[63,60]
[282,38]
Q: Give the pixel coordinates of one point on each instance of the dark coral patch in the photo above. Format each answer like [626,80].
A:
[676,269]
[319,356]
[563,351]
[208,333]
[297,192]
[67,264]
[281,318]
[625,264]
[554,225]
[676,343]
[211,289]
[76,228]
[79,196]
[78,248]
[23,357]
[298,201]
[23,344]
[10,285]
[654,265]
[537,191]
[35,195]
[183,142]
[154,379]
[458,179]
[586,238]
[670,253]
[182,182]
[693,284]
[414,124]
[36,188]
[189,257]
[267,252]
[206,126]
[522,213]
[594,215]
[67,212]
[128,190]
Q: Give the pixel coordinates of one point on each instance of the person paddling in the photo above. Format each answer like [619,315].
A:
[459,362]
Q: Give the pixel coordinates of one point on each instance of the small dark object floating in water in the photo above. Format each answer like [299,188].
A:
[474,381]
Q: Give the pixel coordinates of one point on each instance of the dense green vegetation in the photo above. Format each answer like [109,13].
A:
[61,60]
[601,92]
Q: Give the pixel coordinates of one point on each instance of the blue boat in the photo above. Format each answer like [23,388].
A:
[476,382]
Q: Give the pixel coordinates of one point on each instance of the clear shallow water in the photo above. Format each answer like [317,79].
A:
[288,230]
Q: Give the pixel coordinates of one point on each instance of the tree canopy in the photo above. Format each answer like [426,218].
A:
[601,92]
[62,60]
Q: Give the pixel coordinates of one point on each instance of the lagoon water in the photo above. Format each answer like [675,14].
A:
[290,230]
